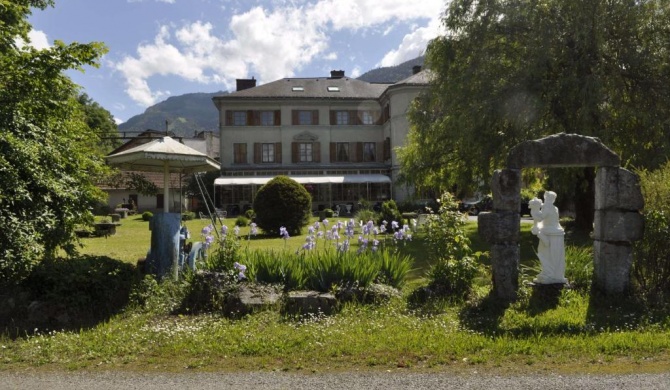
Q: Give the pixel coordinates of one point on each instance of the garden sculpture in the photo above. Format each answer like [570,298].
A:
[551,248]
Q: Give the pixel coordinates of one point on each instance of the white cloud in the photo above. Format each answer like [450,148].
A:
[356,71]
[332,56]
[268,43]
[38,40]
[412,45]
[361,14]
[159,1]
[118,121]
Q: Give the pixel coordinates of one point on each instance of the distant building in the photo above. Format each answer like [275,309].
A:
[335,135]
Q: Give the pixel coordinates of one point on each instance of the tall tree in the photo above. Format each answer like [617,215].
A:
[101,122]
[48,164]
[508,71]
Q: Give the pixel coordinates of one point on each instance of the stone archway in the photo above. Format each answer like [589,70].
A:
[617,220]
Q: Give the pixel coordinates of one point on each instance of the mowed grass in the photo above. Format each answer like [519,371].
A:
[394,336]
[579,333]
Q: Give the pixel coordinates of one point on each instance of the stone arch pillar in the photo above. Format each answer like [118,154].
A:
[618,222]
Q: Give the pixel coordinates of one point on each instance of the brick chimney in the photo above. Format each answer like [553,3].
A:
[243,84]
[416,69]
[336,74]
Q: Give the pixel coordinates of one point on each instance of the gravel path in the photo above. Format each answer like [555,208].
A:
[348,381]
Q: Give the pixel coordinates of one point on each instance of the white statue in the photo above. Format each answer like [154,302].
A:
[551,248]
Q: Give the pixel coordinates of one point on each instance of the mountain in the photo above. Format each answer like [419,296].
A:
[392,74]
[195,112]
[185,114]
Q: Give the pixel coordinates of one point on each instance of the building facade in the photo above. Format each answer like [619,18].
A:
[335,135]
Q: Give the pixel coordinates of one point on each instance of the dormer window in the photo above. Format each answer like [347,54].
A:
[333,89]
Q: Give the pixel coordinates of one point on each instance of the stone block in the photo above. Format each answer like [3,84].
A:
[249,298]
[618,188]
[562,150]
[506,189]
[505,269]
[306,302]
[611,266]
[616,225]
[498,228]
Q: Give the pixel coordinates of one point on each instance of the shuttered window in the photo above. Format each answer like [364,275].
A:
[305,117]
[239,118]
[239,153]
[369,152]
[253,118]
[342,151]
[367,118]
[265,153]
[267,118]
[342,117]
[305,152]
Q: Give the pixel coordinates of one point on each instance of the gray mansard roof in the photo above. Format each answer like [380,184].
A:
[322,88]
[312,88]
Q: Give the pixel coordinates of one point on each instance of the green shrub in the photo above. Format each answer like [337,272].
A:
[282,202]
[224,254]
[366,215]
[251,214]
[651,267]
[454,277]
[187,216]
[160,297]
[147,215]
[89,286]
[390,213]
[325,214]
[242,221]
[448,246]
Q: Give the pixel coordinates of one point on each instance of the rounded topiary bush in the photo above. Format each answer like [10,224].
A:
[147,215]
[282,202]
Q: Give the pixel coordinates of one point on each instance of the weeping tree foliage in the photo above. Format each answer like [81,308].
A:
[507,71]
[48,158]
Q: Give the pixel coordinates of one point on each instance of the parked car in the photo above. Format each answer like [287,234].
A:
[474,207]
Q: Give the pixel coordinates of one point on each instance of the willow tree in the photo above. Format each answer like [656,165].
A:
[507,71]
[48,159]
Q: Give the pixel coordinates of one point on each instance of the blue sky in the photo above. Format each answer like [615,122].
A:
[162,48]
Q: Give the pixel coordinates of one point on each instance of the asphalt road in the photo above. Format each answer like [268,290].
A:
[348,381]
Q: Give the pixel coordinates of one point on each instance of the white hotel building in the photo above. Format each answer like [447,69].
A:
[335,135]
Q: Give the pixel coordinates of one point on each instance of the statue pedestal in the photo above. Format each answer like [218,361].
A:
[548,292]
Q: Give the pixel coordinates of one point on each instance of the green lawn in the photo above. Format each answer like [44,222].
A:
[132,240]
